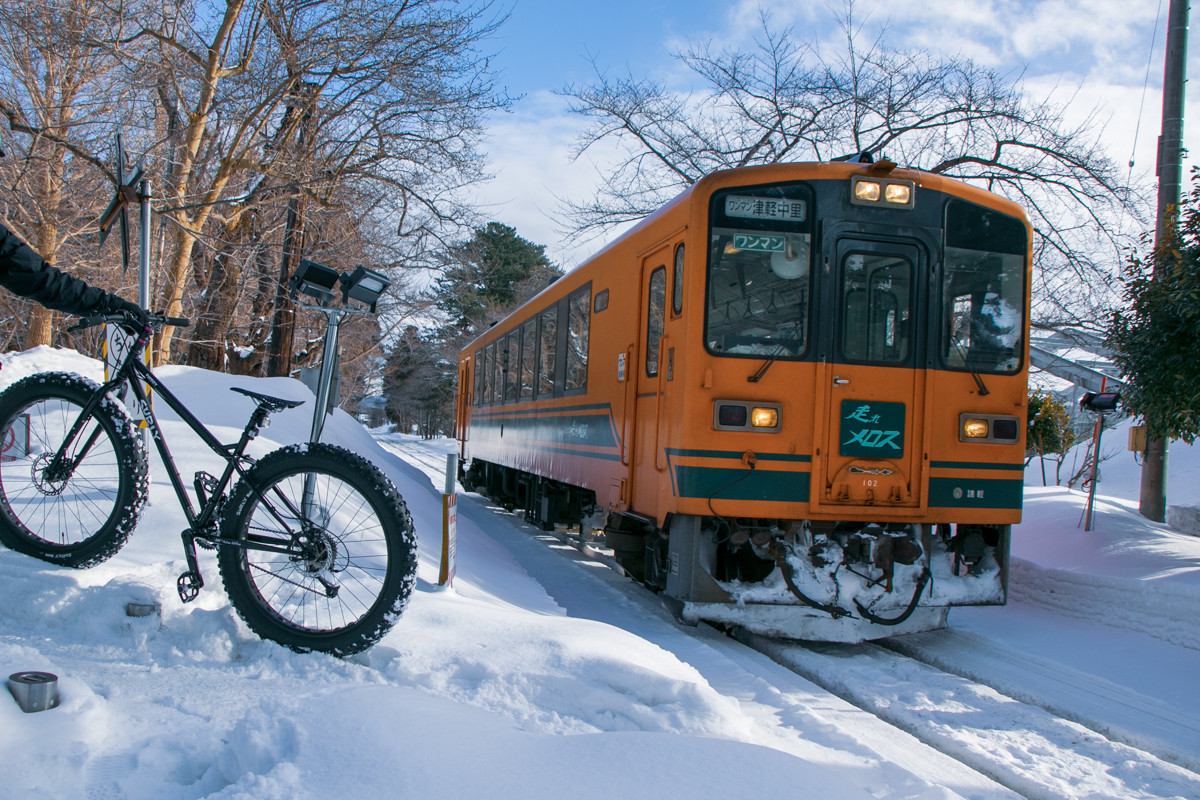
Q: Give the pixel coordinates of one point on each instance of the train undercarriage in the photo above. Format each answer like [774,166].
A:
[842,581]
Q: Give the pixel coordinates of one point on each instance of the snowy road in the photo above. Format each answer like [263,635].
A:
[956,708]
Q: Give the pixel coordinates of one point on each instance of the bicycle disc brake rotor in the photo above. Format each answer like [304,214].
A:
[51,485]
[320,550]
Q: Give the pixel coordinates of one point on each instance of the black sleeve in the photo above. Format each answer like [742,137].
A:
[24,272]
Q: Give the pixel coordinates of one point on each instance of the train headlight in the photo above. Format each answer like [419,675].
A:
[898,193]
[975,428]
[764,417]
[867,191]
[994,428]
[739,415]
[881,192]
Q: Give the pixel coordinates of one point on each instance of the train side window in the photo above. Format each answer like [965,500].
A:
[486,371]
[578,323]
[601,301]
[547,351]
[528,357]
[497,371]
[512,366]
[677,286]
[479,373]
[654,318]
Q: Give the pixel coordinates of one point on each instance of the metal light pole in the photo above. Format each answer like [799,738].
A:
[1153,501]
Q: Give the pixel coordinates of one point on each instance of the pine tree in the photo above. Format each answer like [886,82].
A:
[489,275]
[1155,339]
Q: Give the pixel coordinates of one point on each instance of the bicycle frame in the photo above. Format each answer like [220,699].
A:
[132,373]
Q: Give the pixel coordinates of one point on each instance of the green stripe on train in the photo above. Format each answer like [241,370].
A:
[975,493]
[742,484]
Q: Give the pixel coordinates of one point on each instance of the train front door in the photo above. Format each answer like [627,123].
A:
[647,463]
[873,378]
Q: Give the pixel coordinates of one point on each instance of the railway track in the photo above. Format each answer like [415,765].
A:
[1034,746]
[974,708]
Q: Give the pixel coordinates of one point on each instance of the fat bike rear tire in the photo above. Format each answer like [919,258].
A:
[85,513]
[351,560]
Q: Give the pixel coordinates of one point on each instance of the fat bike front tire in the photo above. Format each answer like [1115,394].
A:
[80,512]
[350,560]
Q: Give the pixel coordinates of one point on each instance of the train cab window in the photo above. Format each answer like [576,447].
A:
[512,366]
[982,290]
[876,307]
[547,351]
[677,283]
[578,324]
[654,318]
[759,266]
[528,358]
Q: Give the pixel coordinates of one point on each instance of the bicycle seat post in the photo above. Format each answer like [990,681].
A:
[329,368]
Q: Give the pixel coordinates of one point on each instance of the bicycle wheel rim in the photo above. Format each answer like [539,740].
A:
[60,512]
[345,546]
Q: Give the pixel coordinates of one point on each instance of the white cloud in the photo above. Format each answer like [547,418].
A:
[1089,55]
[530,152]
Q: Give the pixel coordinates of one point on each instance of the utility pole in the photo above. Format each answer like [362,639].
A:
[1153,503]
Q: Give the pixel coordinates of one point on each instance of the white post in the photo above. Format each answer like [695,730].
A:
[449,523]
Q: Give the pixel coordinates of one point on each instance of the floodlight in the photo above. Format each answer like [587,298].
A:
[364,285]
[1100,401]
[315,280]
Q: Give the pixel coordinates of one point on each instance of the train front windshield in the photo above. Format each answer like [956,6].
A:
[760,284]
[759,267]
[983,290]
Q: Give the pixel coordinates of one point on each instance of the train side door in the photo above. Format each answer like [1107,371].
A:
[871,448]
[462,417]
[648,367]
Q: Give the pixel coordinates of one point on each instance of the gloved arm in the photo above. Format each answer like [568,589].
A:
[25,273]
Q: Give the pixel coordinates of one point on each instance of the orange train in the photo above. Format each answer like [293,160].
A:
[798,392]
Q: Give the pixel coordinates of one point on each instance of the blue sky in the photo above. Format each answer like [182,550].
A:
[1090,55]
[546,43]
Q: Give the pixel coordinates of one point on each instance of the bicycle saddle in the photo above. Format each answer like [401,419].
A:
[271,403]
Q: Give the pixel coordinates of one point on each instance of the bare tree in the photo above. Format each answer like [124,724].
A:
[788,99]
[307,105]
[58,93]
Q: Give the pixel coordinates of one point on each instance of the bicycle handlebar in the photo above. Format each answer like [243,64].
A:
[155,321]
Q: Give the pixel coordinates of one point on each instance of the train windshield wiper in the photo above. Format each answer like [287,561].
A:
[962,351]
[766,365]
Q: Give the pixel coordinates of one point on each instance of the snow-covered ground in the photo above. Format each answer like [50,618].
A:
[542,673]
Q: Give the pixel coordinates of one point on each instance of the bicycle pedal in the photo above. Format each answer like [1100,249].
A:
[188,586]
[205,485]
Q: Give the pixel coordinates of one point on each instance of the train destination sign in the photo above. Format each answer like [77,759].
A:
[754,241]
[737,205]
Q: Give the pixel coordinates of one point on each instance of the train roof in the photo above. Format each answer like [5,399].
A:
[774,173]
